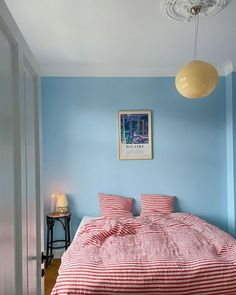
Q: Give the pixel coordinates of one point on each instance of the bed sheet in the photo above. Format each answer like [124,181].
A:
[83,221]
[170,254]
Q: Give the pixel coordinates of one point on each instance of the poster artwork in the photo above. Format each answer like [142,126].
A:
[135,140]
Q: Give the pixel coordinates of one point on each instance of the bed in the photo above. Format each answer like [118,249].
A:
[166,254]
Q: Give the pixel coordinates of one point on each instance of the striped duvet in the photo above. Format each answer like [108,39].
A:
[172,254]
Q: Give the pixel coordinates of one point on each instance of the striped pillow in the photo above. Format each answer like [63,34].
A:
[153,203]
[115,206]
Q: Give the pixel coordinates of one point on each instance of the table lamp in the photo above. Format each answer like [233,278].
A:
[62,203]
[53,203]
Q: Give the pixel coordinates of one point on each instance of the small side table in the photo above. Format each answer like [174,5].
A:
[64,219]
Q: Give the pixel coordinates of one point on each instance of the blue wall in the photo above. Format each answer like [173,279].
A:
[80,154]
[234,143]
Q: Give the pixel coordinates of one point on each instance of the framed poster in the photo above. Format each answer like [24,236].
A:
[135,135]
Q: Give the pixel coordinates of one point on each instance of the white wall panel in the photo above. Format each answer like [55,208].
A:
[7,164]
[20,205]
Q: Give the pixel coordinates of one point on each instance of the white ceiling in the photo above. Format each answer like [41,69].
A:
[119,37]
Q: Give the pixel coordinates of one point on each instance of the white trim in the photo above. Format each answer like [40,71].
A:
[57,253]
[230,156]
[39,163]
[227,67]
[37,122]
[73,70]
[20,52]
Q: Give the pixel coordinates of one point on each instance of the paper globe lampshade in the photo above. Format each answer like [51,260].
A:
[196,79]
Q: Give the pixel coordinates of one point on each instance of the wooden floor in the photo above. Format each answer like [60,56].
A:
[51,273]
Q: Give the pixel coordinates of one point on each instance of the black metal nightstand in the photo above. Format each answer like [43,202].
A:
[64,219]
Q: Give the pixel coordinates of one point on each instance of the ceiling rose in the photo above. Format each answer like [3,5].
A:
[181,9]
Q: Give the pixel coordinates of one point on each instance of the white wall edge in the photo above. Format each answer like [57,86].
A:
[75,70]
[230,156]
[227,67]
[58,253]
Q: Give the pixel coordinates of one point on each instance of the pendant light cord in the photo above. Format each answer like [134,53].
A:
[196,34]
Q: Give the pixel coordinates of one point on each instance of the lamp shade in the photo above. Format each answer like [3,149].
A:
[53,202]
[196,79]
[62,203]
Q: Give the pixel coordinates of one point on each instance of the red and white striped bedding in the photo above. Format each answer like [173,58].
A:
[115,206]
[151,204]
[172,254]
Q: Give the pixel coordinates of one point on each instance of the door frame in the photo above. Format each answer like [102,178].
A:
[26,66]
[24,58]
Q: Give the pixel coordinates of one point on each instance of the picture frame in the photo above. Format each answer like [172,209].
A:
[135,134]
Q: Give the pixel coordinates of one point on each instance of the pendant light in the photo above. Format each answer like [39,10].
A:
[198,78]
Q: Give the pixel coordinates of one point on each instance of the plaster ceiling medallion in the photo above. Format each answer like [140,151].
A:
[181,10]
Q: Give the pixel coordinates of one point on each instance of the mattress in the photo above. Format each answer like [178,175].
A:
[166,254]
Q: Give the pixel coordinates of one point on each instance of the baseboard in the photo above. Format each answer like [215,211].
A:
[58,253]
